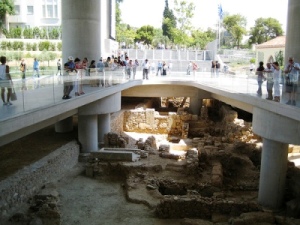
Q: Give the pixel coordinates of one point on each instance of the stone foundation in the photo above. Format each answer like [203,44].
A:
[21,186]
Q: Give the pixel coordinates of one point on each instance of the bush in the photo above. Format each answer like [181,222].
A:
[28,46]
[52,46]
[44,45]
[3,45]
[252,60]
[34,47]
[36,32]
[28,33]
[59,46]
[18,46]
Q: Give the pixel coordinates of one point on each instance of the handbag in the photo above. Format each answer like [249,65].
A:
[13,96]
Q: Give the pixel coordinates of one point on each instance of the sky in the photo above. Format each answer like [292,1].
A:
[137,13]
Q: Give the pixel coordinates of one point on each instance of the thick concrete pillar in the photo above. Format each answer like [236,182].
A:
[103,126]
[272,174]
[195,105]
[64,126]
[88,29]
[88,133]
[292,47]
[81,29]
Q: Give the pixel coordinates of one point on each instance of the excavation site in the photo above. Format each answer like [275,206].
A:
[160,164]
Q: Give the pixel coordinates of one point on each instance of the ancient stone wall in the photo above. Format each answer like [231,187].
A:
[150,121]
[19,187]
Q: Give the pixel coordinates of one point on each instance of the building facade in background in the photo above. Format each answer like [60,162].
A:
[36,13]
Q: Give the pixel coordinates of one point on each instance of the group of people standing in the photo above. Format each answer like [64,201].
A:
[272,74]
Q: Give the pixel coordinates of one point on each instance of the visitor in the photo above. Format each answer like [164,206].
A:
[260,77]
[23,69]
[213,68]
[165,67]
[276,79]
[58,67]
[189,67]
[195,68]
[5,81]
[69,72]
[291,71]
[218,66]
[134,67]
[159,68]
[269,76]
[146,67]
[36,67]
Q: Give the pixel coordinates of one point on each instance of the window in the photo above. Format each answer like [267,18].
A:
[49,8]
[17,10]
[29,10]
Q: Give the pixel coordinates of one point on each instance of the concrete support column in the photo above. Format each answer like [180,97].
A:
[292,47]
[64,126]
[195,105]
[272,174]
[88,133]
[103,126]
[81,26]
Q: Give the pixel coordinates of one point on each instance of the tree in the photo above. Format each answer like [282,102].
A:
[236,26]
[184,14]
[264,30]
[169,21]
[126,34]
[201,38]
[145,34]
[7,7]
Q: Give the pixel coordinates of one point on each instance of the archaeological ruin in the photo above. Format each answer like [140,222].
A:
[198,169]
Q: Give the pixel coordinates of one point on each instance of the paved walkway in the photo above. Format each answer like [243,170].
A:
[35,93]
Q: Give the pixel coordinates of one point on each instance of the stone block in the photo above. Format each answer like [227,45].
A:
[116,155]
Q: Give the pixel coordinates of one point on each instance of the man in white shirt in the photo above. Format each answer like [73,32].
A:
[146,67]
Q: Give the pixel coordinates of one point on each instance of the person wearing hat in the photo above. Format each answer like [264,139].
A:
[69,67]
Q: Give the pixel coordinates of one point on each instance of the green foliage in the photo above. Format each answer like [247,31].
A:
[169,21]
[252,60]
[159,38]
[52,46]
[15,32]
[145,34]
[236,26]
[126,34]
[59,46]
[279,58]
[6,7]
[54,33]
[184,14]
[43,33]
[44,45]
[46,56]
[18,45]
[201,38]
[36,32]
[28,33]
[34,46]
[28,46]
[3,45]
[264,30]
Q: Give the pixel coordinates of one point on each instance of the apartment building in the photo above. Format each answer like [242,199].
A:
[36,13]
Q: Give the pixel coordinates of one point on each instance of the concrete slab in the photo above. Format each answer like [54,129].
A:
[115,155]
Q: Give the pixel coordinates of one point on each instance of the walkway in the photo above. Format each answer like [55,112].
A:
[36,93]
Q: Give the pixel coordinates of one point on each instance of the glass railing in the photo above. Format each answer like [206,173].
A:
[38,92]
[35,92]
